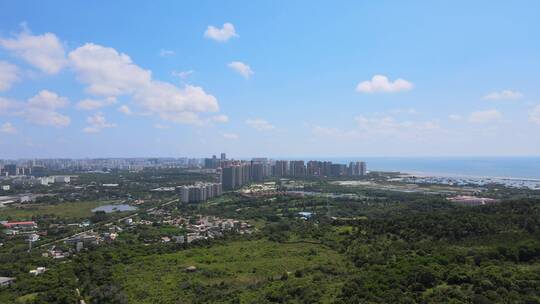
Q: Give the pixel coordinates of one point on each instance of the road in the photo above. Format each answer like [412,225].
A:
[106,223]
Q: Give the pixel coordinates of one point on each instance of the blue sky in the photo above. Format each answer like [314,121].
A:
[261,78]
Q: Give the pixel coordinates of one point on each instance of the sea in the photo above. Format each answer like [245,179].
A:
[499,167]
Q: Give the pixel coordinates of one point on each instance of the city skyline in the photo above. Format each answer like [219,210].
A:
[298,80]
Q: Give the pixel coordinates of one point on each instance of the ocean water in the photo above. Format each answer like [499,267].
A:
[511,167]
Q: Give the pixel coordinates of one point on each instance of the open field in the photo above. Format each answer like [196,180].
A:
[63,210]
[244,271]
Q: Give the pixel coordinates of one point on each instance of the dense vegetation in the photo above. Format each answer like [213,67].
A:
[380,247]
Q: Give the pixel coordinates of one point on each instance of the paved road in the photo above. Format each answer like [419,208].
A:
[106,223]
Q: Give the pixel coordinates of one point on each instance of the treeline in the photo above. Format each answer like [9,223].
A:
[485,254]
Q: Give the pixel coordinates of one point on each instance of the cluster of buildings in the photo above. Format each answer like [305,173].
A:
[38,167]
[196,227]
[14,228]
[472,200]
[199,192]
[235,174]
[41,181]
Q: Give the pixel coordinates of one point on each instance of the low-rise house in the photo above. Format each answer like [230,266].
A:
[38,271]
[20,225]
[6,281]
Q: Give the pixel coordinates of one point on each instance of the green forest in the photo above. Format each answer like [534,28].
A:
[393,248]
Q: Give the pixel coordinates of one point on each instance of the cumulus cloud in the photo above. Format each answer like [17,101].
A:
[454,117]
[92,104]
[125,109]
[44,52]
[110,73]
[166,53]
[182,74]
[534,115]
[160,126]
[381,83]
[9,74]
[241,68]
[260,124]
[485,116]
[6,105]
[221,34]
[106,71]
[220,118]
[176,104]
[47,100]
[381,127]
[46,117]
[96,123]
[332,132]
[8,128]
[41,109]
[230,135]
[389,125]
[504,95]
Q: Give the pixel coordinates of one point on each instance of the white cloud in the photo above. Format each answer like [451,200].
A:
[241,68]
[221,34]
[504,95]
[381,127]
[534,115]
[92,104]
[166,53]
[47,100]
[331,132]
[388,125]
[220,118]
[96,123]
[6,105]
[9,74]
[408,111]
[176,104]
[230,135]
[125,109]
[41,109]
[182,74]
[46,117]
[160,126]
[110,73]
[485,116]
[260,124]
[454,117]
[107,72]
[45,52]
[8,128]
[381,83]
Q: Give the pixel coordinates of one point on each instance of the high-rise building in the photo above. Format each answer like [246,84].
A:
[236,175]
[257,172]
[363,169]
[199,192]
[211,163]
[338,169]
[281,168]
[11,169]
[357,168]
[223,156]
[228,178]
[297,168]
[314,168]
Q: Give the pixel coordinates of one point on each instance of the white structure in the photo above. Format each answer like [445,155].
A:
[61,179]
[6,281]
[37,271]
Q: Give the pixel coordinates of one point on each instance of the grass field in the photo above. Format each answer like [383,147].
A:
[63,210]
[243,271]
